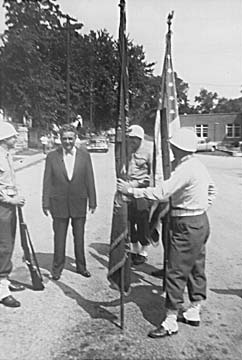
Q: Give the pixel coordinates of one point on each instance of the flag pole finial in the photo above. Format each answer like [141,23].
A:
[169,18]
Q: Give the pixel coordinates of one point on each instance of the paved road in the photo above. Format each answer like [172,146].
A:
[76,318]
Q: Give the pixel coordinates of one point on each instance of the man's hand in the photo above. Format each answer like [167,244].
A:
[45,210]
[123,186]
[92,210]
[18,201]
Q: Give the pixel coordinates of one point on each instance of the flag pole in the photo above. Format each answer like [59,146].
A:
[165,150]
[122,298]
[119,258]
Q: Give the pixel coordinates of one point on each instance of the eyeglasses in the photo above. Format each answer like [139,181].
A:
[68,138]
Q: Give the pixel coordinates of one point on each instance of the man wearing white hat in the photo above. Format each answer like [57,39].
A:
[192,192]
[9,199]
[138,209]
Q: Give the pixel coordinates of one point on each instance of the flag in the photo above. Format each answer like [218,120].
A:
[119,259]
[167,119]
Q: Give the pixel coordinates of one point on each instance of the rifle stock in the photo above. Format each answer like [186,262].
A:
[29,254]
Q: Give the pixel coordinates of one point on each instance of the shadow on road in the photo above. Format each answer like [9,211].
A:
[45,262]
[143,291]
[141,294]
[237,292]
[93,308]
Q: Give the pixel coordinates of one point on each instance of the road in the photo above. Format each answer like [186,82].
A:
[77,318]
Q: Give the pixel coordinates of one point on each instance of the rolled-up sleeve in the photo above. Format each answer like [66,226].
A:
[165,188]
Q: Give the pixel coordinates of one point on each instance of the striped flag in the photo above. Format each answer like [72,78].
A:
[119,259]
[167,121]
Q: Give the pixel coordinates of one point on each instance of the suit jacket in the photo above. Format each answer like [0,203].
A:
[68,198]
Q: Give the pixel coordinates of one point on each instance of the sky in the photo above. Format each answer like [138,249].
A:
[206,40]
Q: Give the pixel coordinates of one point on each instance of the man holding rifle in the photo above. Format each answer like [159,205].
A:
[191,191]
[9,200]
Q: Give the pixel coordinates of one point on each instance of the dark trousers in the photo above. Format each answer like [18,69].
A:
[7,238]
[60,226]
[186,260]
[138,215]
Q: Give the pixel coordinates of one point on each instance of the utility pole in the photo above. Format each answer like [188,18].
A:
[69,27]
[91,103]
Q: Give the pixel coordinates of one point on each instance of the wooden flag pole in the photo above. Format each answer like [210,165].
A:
[165,149]
[122,298]
[166,172]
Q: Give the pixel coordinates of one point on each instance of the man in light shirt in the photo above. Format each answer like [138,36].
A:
[192,191]
[139,170]
[9,200]
[68,188]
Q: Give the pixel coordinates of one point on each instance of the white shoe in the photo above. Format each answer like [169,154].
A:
[192,315]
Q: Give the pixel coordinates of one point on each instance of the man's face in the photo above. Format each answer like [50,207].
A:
[134,143]
[11,141]
[68,139]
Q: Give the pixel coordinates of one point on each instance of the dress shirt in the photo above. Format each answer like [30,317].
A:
[190,187]
[7,176]
[69,158]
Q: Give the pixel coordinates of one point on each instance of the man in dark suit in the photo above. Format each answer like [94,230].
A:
[68,188]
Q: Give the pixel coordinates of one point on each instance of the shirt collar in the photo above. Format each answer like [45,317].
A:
[72,152]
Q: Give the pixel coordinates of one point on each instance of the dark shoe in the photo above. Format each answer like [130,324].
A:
[133,256]
[161,332]
[10,301]
[55,277]
[16,287]
[85,273]
[189,322]
[139,259]
[158,273]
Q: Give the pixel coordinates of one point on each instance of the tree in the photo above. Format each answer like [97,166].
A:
[30,82]
[182,89]
[228,106]
[33,64]
[206,101]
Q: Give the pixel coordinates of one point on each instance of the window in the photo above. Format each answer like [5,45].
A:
[229,130]
[236,130]
[202,130]
[233,130]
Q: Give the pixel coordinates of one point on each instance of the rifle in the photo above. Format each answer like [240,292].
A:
[29,254]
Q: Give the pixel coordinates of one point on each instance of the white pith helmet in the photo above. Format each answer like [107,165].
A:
[185,139]
[7,130]
[136,131]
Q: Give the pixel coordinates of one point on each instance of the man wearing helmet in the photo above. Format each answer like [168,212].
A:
[9,199]
[191,191]
[138,209]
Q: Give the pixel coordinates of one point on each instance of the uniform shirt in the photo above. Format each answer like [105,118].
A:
[7,176]
[190,187]
[139,168]
[69,161]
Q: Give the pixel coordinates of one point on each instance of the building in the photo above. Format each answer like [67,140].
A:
[226,128]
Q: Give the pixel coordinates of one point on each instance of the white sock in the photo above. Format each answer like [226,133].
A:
[144,251]
[135,248]
[170,323]
[4,290]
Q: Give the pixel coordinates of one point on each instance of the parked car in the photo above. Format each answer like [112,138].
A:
[111,135]
[97,144]
[204,145]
